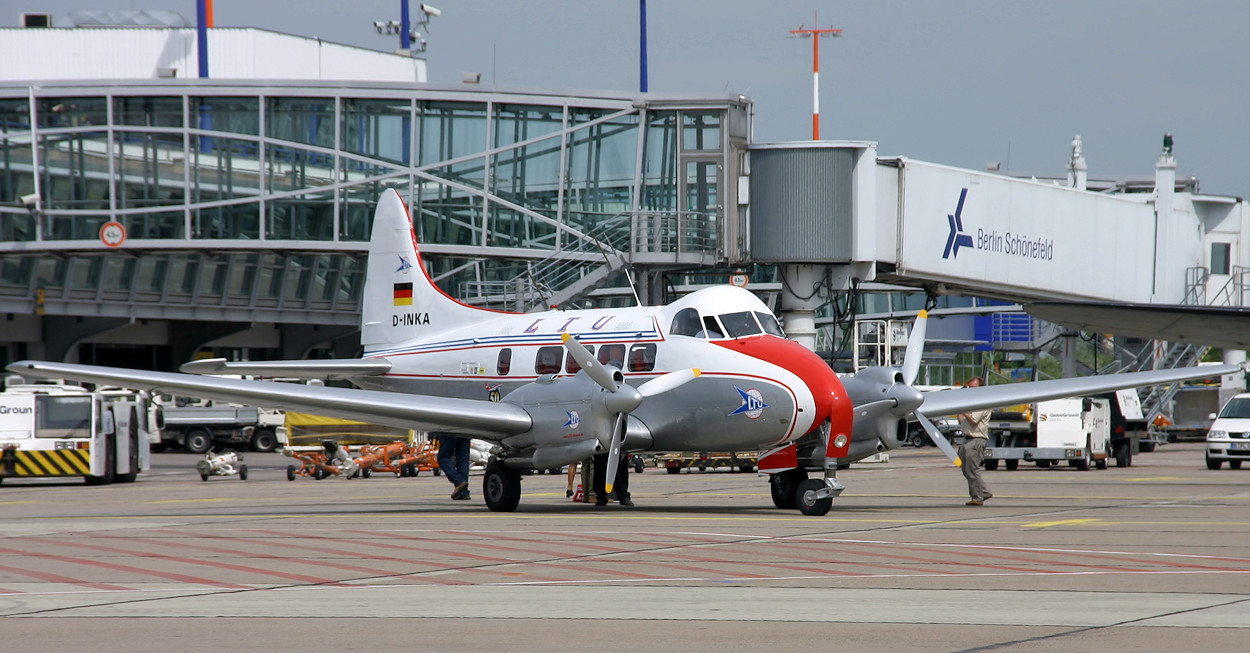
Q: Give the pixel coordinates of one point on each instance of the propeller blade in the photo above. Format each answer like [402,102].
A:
[614,452]
[915,348]
[939,439]
[601,375]
[668,382]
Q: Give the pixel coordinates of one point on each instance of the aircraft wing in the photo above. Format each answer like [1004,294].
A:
[298,369]
[477,418]
[960,400]
[1215,326]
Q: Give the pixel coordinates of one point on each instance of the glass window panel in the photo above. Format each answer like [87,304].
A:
[272,272]
[711,328]
[451,218]
[213,275]
[450,130]
[84,272]
[660,168]
[232,221]
[71,111]
[166,224]
[224,168]
[301,120]
[548,359]
[148,111]
[243,275]
[642,357]
[503,364]
[52,272]
[304,217]
[296,169]
[351,279]
[151,274]
[182,273]
[770,324]
[701,131]
[515,123]
[1220,258]
[14,115]
[118,273]
[75,171]
[381,129]
[149,169]
[600,172]
[240,115]
[612,355]
[17,176]
[685,323]
[740,324]
[73,227]
[299,277]
[509,228]
[16,227]
[17,271]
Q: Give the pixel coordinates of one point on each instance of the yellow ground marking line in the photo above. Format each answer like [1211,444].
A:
[1064,522]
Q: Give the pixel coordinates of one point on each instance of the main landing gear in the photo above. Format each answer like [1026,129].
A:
[793,489]
[501,487]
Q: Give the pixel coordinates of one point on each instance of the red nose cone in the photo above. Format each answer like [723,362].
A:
[831,400]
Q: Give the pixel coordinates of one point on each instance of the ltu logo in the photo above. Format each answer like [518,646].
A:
[752,403]
[957,237]
[574,419]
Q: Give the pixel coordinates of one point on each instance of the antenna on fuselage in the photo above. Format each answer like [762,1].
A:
[633,286]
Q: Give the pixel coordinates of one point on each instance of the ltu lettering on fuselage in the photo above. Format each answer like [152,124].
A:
[410,319]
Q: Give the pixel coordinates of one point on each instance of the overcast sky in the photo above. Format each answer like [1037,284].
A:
[958,82]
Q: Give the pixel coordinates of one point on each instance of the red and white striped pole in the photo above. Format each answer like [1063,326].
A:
[815,35]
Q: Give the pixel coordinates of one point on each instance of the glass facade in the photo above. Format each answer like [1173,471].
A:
[253,195]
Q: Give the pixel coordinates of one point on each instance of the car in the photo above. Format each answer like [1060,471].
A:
[1228,439]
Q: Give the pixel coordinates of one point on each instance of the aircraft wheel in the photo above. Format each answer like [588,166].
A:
[638,466]
[1234,464]
[290,472]
[502,487]
[806,498]
[242,472]
[785,487]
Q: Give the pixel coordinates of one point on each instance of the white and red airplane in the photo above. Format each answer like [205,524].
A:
[711,371]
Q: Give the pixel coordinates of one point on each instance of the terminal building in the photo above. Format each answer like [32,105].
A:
[147,215]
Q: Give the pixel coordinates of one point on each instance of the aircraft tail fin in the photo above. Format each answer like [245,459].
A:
[401,302]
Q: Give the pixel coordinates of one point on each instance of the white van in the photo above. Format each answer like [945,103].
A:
[1229,436]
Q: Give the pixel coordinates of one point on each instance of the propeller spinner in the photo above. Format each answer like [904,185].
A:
[622,399]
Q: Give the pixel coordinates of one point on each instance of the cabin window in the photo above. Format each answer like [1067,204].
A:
[548,360]
[503,364]
[770,324]
[612,355]
[740,324]
[642,357]
[571,365]
[685,323]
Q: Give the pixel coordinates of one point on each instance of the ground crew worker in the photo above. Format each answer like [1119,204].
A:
[976,428]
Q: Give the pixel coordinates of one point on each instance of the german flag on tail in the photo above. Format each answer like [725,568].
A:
[403,294]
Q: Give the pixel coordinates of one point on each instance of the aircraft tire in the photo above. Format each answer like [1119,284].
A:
[501,487]
[808,504]
[784,487]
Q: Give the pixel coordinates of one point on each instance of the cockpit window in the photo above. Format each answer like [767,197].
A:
[740,324]
[685,323]
[770,324]
[711,329]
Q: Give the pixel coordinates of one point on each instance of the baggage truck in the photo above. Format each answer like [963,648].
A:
[1076,431]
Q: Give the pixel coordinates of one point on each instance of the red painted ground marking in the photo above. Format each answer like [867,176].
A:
[182,578]
[193,561]
[548,562]
[57,578]
[862,564]
[372,571]
[980,554]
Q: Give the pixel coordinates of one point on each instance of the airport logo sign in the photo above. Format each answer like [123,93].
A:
[1017,245]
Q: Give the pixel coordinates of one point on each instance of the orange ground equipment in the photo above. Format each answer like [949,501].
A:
[400,458]
[330,459]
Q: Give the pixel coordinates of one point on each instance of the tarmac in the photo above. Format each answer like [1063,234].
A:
[1148,557]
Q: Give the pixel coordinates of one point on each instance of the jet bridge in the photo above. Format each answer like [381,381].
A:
[834,213]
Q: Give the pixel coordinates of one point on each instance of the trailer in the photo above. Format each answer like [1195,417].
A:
[1076,431]
[59,431]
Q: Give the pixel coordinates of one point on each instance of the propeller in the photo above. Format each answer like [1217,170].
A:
[622,399]
[911,368]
